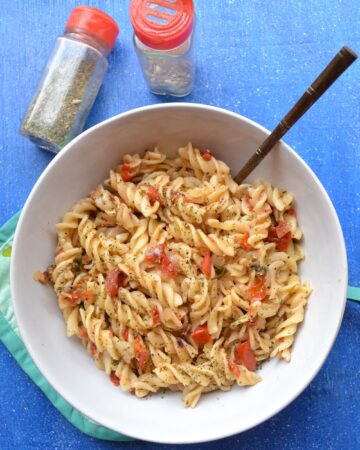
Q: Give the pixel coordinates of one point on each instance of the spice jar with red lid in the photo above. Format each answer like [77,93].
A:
[163,40]
[71,79]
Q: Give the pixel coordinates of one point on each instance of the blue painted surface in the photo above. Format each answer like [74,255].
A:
[255,58]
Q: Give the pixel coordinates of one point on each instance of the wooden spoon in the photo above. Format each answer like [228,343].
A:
[342,60]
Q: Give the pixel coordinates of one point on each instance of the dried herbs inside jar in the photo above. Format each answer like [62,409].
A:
[71,79]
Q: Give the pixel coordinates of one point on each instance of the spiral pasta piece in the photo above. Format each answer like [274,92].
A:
[201,165]
[195,237]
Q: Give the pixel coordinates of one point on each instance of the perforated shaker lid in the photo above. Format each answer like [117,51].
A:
[162,24]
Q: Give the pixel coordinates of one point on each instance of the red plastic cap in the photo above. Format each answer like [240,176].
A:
[94,22]
[162,24]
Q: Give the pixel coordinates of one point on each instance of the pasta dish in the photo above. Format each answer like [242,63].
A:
[175,277]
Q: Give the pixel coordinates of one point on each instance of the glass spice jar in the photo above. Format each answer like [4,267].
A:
[71,79]
[163,40]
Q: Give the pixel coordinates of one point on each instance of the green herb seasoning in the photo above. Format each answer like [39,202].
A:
[71,79]
[77,265]
[259,269]
[220,271]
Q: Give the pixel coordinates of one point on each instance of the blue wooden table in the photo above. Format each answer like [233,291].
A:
[254,58]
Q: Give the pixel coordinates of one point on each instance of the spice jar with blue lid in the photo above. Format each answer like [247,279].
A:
[71,79]
[163,40]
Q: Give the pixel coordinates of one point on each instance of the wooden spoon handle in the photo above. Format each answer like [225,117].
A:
[342,60]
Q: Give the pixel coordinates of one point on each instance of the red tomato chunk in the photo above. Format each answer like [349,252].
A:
[258,291]
[155,316]
[206,265]
[157,255]
[79,294]
[280,236]
[154,254]
[291,212]
[141,352]
[243,241]
[244,355]
[166,267]
[153,195]
[125,172]
[124,334]
[114,379]
[92,348]
[113,282]
[207,155]
[201,335]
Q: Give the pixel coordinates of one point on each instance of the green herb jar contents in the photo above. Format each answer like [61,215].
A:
[71,79]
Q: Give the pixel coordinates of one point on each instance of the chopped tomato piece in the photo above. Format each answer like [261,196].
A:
[284,242]
[201,335]
[272,235]
[258,291]
[80,295]
[282,229]
[206,264]
[280,235]
[207,155]
[113,282]
[291,212]
[234,368]
[125,172]
[166,266]
[83,334]
[243,241]
[124,334]
[114,378]
[153,195]
[154,254]
[141,352]
[155,316]
[157,255]
[92,348]
[244,355]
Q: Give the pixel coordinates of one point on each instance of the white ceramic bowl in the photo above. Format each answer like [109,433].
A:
[64,362]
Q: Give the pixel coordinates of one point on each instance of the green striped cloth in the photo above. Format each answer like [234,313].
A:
[10,337]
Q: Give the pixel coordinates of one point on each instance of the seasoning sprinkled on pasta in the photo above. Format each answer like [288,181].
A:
[173,276]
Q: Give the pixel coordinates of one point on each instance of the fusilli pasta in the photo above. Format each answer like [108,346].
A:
[173,276]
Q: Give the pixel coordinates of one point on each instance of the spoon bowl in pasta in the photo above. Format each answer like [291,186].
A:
[158,269]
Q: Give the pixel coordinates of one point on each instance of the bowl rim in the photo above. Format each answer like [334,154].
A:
[27,339]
